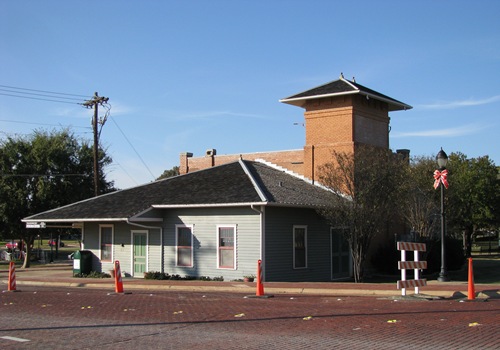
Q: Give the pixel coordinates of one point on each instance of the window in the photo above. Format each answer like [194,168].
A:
[106,238]
[184,243]
[299,247]
[226,238]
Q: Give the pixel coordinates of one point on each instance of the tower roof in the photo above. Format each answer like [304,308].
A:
[341,87]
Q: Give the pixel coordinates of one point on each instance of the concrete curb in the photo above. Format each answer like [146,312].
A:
[247,289]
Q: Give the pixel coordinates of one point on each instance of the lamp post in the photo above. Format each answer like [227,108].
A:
[440,177]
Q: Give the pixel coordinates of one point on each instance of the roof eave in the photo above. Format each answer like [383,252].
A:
[74,220]
[393,104]
[402,106]
[299,101]
[210,205]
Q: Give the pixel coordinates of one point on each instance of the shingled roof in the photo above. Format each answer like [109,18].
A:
[343,87]
[232,184]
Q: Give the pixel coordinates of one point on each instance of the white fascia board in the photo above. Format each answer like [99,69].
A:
[254,183]
[215,205]
[285,100]
[75,220]
[349,83]
[137,217]
[292,205]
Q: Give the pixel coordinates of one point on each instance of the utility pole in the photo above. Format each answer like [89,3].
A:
[94,103]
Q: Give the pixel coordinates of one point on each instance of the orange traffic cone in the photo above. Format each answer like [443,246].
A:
[118,278]
[471,291]
[260,285]
[12,277]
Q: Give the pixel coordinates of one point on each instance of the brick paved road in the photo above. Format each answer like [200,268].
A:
[51,318]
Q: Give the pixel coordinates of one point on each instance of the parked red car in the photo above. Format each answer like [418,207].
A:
[11,245]
[53,242]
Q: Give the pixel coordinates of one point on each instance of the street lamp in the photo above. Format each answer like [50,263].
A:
[440,177]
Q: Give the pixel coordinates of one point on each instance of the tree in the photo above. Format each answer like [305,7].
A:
[473,196]
[366,184]
[42,172]
[472,200]
[419,202]
[169,173]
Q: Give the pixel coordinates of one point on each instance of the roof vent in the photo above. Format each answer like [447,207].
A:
[211,152]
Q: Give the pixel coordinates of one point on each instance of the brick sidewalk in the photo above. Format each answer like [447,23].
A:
[61,275]
[78,318]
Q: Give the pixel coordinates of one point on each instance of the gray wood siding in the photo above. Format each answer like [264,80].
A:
[154,249]
[205,222]
[122,235]
[279,245]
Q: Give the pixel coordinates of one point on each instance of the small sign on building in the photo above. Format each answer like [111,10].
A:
[35,225]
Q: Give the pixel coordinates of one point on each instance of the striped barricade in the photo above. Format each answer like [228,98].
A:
[416,265]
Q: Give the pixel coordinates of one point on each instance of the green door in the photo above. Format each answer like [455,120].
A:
[140,244]
[341,259]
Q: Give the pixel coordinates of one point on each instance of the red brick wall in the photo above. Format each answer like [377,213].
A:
[336,123]
[292,160]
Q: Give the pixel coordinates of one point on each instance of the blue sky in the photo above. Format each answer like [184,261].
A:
[186,76]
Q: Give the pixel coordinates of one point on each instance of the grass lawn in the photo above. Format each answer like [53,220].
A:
[486,270]
[69,247]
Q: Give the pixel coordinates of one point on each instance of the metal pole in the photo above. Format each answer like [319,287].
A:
[94,103]
[96,152]
[443,274]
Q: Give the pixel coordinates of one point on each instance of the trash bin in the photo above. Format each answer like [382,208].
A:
[82,262]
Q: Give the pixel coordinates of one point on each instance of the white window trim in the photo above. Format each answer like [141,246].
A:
[176,244]
[132,249]
[112,242]
[305,242]
[234,227]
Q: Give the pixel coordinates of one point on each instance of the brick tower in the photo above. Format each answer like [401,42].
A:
[338,116]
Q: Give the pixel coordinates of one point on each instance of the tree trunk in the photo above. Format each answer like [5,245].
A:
[468,232]
[27,256]
[357,261]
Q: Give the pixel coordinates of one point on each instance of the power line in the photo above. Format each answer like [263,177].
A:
[93,102]
[137,153]
[126,172]
[42,175]
[45,124]
[39,99]
[37,94]
[41,95]
[44,91]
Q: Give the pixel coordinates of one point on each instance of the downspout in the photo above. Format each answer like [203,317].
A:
[261,213]
[312,165]
[161,240]
[262,236]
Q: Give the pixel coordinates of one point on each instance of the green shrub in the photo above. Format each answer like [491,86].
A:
[93,274]
[156,275]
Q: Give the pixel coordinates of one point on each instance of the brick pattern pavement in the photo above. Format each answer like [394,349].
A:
[94,319]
